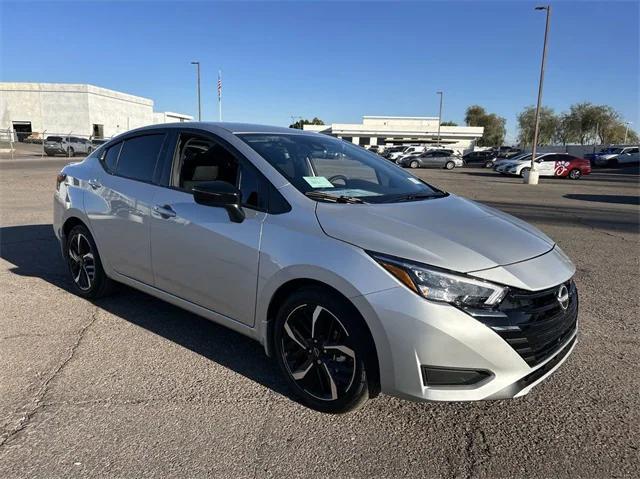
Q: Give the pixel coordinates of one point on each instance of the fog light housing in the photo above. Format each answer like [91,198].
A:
[438,376]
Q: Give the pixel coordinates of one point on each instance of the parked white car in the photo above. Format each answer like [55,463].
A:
[409,150]
[67,145]
[501,164]
[617,155]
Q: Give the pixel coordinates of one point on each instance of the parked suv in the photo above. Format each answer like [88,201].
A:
[484,158]
[357,276]
[67,145]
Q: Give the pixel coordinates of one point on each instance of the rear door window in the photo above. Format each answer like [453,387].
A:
[139,156]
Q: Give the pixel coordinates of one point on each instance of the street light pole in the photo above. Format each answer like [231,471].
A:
[626,131]
[197,64]
[532,177]
[439,115]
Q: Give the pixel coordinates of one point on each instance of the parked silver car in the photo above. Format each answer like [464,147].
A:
[357,276]
[432,159]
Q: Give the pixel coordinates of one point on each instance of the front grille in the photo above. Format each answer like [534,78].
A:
[536,325]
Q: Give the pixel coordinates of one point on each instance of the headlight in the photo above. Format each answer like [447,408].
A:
[437,285]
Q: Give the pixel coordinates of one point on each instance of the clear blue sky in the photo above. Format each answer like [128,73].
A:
[337,61]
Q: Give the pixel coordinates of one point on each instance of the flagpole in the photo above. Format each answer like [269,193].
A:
[219,95]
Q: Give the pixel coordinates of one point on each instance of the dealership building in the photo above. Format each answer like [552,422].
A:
[77,109]
[402,130]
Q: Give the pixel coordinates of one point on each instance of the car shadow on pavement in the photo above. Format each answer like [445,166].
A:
[34,252]
[618,199]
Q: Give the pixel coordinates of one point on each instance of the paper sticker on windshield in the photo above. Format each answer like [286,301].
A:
[415,180]
[318,182]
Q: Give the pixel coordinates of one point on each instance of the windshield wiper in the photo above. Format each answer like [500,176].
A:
[416,196]
[320,195]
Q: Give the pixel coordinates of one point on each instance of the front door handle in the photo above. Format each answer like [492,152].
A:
[95,184]
[165,211]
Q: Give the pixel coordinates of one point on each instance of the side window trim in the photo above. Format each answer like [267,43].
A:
[121,144]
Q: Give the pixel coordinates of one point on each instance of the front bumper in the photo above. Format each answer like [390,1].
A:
[422,333]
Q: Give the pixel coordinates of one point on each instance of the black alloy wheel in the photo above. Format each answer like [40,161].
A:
[85,267]
[317,352]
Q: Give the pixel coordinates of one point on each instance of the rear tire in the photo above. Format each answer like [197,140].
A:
[575,174]
[524,171]
[318,345]
[87,274]
[71,152]
[414,164]
[488,164]
[450,165]
[50,154]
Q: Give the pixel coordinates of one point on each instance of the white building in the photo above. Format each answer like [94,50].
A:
[77,109]
[400,130]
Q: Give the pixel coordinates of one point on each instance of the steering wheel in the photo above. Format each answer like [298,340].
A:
[338,177]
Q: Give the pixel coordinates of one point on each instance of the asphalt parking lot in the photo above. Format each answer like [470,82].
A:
[134,387]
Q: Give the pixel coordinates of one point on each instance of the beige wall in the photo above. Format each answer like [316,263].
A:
[64,108]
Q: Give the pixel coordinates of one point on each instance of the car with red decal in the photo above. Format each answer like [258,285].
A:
[549,164]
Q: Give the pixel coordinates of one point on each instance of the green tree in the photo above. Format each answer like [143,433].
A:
[494,125]
[448,123]
[615,134]
[298,124]
[547,130]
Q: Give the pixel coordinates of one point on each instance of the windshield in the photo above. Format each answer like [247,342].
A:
[54,138]
[319,163]
[610,151]
[523,156]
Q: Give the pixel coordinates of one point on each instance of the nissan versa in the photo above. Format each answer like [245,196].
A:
[355,275]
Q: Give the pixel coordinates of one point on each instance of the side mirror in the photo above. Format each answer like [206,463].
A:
[222,195]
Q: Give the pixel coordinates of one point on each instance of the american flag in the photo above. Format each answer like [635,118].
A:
[219,85]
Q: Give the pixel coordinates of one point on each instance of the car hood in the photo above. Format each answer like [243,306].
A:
[450,232]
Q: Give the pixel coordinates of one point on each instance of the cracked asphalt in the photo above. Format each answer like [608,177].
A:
[130,386]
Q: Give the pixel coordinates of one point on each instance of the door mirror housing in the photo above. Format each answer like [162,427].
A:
[222,195]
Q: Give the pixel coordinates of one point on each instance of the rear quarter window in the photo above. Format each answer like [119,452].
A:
[110,159]
[138,157]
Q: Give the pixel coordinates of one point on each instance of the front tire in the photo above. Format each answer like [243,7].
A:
[71,152]
[450,165]
[524,171]
[87,274]
[414,164]
[488,164]
[318,346]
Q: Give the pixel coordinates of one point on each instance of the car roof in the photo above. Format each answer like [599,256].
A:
[235,128]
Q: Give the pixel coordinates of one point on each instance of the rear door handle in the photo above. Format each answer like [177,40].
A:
[165,211]
[95,184]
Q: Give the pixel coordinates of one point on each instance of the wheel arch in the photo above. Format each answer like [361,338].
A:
[286,289]
[70,223]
